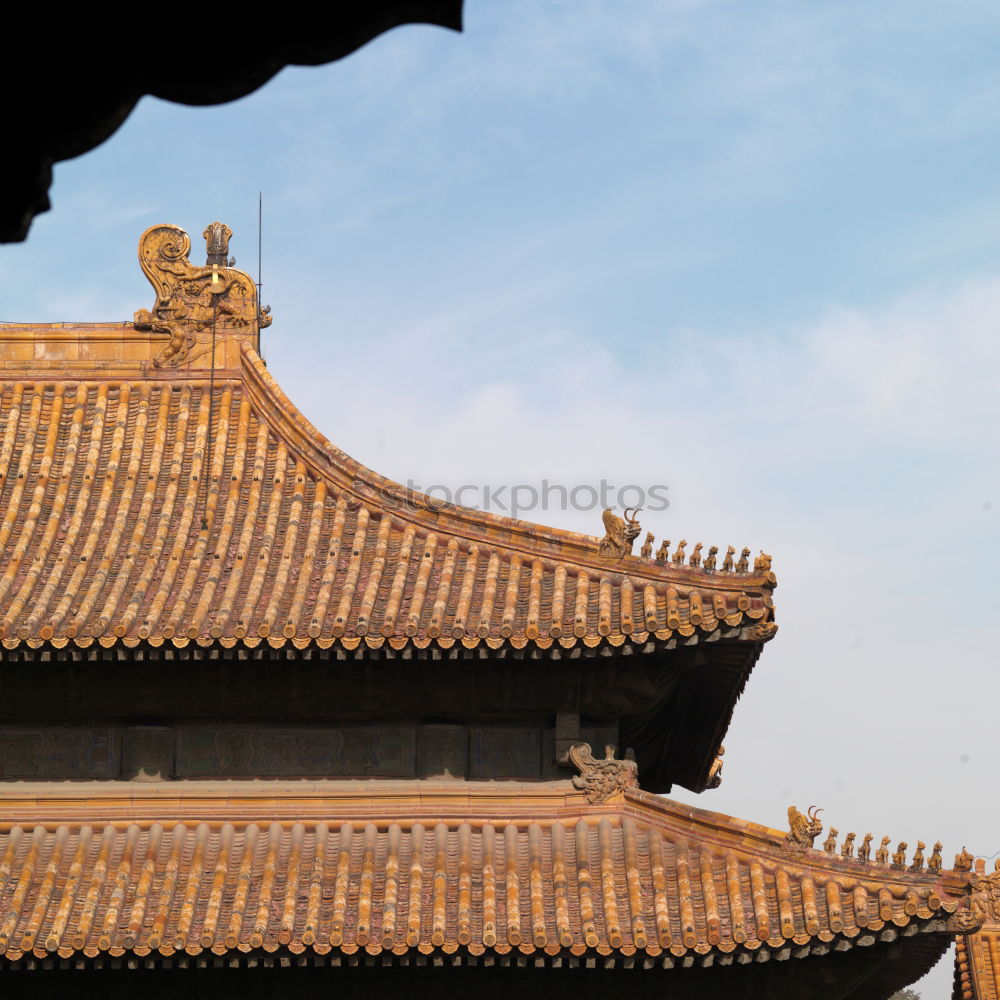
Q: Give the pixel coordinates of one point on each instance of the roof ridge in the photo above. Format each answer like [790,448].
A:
[426,512]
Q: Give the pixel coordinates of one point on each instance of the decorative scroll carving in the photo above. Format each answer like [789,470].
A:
[865,850]
[803,829]
[619,534]
[601,779]
[189,299]
[847,848]
[830,844]
[762,631]
[647,546]
[715,774]
[968,919]
[987,899]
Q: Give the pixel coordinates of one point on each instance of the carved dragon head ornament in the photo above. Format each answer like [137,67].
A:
[619,533]
[803,829]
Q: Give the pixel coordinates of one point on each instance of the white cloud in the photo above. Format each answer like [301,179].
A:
[859,450]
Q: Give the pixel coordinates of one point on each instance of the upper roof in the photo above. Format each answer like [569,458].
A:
[157,486]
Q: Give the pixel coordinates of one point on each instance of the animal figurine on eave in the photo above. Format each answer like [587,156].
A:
[619,533]
[804,828]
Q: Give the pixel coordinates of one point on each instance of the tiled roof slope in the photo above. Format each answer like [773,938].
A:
[452,868]
[977,955]
[197,505]
[977,966]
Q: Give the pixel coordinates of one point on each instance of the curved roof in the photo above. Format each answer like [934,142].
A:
[197,505]
[347,867]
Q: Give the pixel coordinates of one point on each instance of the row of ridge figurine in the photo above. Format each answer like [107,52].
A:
[882,852]
[804,829]
[621,532]
[742,565]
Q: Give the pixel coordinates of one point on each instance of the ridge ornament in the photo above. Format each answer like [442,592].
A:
[803,828]
[194,304]
[602,779]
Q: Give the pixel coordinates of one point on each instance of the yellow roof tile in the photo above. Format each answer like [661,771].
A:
[157,485]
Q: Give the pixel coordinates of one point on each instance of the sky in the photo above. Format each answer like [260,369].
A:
[747,253]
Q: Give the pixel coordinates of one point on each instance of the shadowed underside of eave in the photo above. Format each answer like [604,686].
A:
[873,973]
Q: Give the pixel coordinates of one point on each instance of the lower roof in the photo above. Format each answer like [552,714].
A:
[400,868]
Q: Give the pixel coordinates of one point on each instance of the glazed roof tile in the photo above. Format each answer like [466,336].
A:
[193,505]
[977,955]
[977,965]
[477,869]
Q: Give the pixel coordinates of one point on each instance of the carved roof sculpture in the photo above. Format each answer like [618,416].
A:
[977,954]
[158,489]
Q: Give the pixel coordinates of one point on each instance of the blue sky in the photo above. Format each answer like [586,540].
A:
[750,251]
